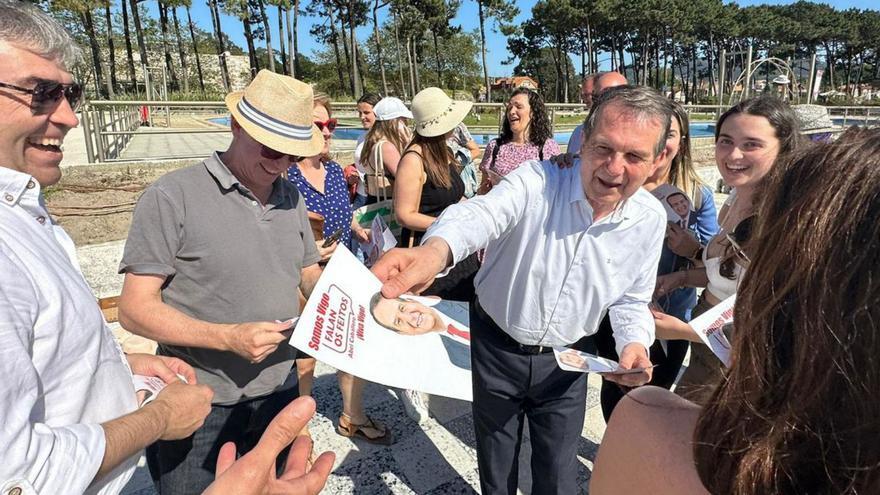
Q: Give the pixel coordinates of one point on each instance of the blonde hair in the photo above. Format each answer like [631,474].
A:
[323,99]
[387,130]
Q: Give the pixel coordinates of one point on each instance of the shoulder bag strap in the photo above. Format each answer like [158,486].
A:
[379,170]
[422,179]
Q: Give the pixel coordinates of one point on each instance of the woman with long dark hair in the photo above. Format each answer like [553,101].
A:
[526,134]
[749,139]
[797,410]
[365,105]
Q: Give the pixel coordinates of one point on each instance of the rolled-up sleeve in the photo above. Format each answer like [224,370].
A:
[630,316]
[470,226]
[37,457]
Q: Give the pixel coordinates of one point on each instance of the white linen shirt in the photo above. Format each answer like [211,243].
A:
[63,373]
[550,272]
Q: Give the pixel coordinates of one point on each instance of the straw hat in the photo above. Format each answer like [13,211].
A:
[391,108]
[276,111]
[436,113]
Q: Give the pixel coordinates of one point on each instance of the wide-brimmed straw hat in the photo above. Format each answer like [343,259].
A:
[276,111]
[436,113]
[391,108]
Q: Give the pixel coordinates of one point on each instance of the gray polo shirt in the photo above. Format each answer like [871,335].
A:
[227,259]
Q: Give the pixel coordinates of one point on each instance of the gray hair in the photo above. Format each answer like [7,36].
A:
[25,25]
[641,102]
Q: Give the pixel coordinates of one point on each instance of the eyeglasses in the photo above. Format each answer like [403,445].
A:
[47,94]
[330,124]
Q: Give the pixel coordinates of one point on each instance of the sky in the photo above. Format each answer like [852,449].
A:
[496,47]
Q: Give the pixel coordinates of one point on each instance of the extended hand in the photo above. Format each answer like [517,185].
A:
[163,367]
[255,341]
[183,407]
[254,473]
[633,356]
[668,283]
[413,269]
[671,328]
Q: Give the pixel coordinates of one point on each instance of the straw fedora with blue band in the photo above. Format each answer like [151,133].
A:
[276,111]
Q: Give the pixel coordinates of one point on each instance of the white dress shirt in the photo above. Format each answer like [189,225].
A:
[63,373]
[576,140]
[550,272]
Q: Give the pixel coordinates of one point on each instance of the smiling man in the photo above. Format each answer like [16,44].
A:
[213,260]
[411,317]
[563,247]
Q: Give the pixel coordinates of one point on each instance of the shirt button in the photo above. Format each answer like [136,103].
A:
[41,219]
[14,491]
[8,197]
[31,184]
[254,203]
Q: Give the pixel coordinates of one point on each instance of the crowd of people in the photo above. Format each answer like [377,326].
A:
[551,249]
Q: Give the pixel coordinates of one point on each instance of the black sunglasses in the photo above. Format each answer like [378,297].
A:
[47,94]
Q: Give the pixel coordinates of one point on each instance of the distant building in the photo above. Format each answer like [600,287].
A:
[511,83]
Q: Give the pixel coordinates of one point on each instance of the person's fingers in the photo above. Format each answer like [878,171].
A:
[386,266]
[183,369]
[412,277]
[225,459]
[298,458]
[163,371]
[284,427]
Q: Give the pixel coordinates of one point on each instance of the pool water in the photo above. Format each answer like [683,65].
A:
[697,130]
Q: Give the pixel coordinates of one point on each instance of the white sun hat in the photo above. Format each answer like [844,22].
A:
[389,108]
[436,113]
[276,111]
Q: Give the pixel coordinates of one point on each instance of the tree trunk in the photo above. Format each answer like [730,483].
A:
[399,58]
[483,51]
[358,88]
[249,38]
[694,74]
[437,55]
[281,40]
[849,63]
[128,52]
[111,50]
[592,56]
[221,45]
[89,24]
[184,64]
[409,64]
[335,38]
[416,65]
[379,47]
[291,38]
[139,31]
[163,24]
[269,50]
[195,45]
[620,49]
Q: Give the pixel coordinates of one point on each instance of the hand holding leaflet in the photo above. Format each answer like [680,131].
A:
[573,360]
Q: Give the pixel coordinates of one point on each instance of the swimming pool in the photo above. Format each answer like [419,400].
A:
[697,130]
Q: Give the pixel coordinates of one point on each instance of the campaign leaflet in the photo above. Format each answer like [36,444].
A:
[574,360]
[709,327]
[415,343]
[679,209]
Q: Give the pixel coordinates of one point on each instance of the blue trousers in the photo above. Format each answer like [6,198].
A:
[510,387]
[187,466]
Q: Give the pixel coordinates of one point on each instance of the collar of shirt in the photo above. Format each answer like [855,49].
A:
[229,181]
[576,194]
[21,189]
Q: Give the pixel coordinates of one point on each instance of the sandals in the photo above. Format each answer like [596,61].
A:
[365,431]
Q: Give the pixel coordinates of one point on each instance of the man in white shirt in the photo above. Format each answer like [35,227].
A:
[563,247]
[71,422]
[593,85]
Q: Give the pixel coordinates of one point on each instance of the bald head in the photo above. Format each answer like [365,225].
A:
[595,84]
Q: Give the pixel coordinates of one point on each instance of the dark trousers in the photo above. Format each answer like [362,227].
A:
[187,466]
[511,386]
[668,364]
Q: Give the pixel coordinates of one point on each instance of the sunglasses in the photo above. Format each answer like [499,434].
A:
[270,154]
[330,124]
[740,235]
[46,95]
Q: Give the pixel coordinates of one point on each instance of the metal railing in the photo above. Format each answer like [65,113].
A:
[110,126]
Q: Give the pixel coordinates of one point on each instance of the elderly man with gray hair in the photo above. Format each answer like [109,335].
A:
[563,247]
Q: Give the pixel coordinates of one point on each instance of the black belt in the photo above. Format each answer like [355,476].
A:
[522,348]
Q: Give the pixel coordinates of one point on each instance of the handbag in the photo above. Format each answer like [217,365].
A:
[378,184]
[384,207]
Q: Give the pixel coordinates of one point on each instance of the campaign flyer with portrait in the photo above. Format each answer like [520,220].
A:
[412,342]
[711,326]
[676,203]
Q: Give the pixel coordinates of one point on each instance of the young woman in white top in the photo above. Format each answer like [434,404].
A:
[749,139]
[367,117]
[797,411]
